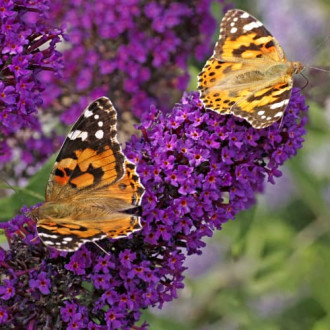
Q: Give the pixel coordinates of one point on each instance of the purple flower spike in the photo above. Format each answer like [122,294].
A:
[88,289]
[27,50]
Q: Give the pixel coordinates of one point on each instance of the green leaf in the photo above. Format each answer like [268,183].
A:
[321,276]
[323,324]
[245,219]
[309,188]
[161,323]
[33,193]
[3,237]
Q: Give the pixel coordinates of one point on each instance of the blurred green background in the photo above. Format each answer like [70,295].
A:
[269,269]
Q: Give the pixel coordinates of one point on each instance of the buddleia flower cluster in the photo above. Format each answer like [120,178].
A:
[199,170]
[27,49]
[135,52]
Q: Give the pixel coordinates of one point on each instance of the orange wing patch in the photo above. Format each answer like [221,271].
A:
[129,188]
[263,46]
[83,180]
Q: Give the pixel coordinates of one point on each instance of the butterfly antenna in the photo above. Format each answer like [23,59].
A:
[318,69]
[101,248]
[319,46]
[322,42]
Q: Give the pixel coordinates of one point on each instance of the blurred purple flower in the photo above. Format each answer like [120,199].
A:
[280,195]
[146,269]
[212,256]
[136,53]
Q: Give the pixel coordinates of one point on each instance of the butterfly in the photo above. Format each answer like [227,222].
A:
[248,74]
[93,191]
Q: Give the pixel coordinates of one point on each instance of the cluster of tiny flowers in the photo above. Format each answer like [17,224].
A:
[27,48]
[199,169]
[135,52]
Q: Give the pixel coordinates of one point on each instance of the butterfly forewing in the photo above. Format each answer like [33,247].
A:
[242,36]
[91,154]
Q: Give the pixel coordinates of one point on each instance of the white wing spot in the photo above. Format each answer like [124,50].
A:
[279,104]
[96,117]
[279,114]
[99,134]
[269,118]
[245,15]
[233,30]
[100,123]
[261,112]
[78,135]
[232,24]
[88,113]
[47,235]
[235,19]
[68,239]
[263,117]
[49,242]
[251,26]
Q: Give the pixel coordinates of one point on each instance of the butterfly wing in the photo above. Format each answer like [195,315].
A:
[93,191]
[69,234]
[91,154]
[243,37]
[234,79]
[218,86]
[265,106]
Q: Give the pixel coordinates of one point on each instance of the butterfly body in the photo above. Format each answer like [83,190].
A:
[93,191]
[248,74]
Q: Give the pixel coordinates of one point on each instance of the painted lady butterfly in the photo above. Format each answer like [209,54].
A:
[248,74]
[93,191]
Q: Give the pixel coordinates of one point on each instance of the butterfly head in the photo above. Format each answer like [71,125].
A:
[297,67]
[33,213]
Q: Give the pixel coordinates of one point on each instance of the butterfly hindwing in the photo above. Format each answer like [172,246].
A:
[69,235]
[265,106]
[217,85]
